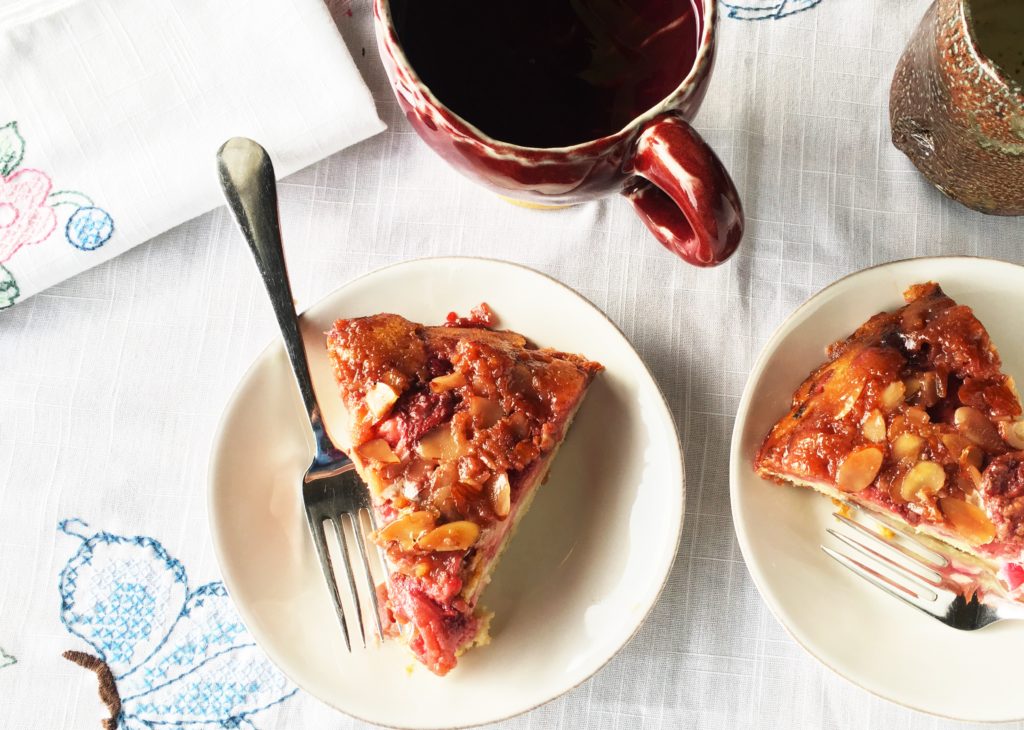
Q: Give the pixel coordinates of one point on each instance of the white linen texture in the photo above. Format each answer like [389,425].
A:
[111,111]
[112,382]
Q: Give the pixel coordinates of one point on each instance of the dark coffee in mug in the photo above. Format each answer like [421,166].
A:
[549,73]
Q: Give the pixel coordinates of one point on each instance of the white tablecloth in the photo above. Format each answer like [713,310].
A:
[111,384]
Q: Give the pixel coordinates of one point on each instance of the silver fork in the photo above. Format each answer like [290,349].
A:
[947,585]
[331,490]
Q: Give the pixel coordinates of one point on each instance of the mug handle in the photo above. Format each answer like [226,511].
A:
[683,193]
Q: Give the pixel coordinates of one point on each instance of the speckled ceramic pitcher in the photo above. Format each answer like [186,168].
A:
[957,102]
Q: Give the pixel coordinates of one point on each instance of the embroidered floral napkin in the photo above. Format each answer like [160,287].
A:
[111,112]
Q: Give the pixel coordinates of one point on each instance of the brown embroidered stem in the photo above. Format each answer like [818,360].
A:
[108,689]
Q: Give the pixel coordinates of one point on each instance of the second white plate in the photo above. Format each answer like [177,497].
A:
[860,632]
[584,569]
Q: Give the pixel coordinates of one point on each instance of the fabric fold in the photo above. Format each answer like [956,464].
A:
[111,112]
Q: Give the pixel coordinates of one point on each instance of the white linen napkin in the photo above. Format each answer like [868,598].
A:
[111,112]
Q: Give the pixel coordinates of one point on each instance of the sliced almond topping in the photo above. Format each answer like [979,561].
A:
[874,427]
[473,477]
[445,475]
[406,530]
[378,450]
[1013,433]
[859,469]
[970,521]
[1011,385]
[974,474]
[375,482]
[472,487]
[520,424]
[462,496]
[849,400]
[925,478]
[446,382]
[501,495]
[918,416]
[379,400]
[453,536]
[486,412]
[973,456]
[929,393]
[438,444]
[973,424]
[896,487]
[955,444]
[897,426]
[893,395]
[907,446]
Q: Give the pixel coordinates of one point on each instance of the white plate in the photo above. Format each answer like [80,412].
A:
[861,633]
[584,569]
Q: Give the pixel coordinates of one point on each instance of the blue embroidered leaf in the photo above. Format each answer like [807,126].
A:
[208,626]
[224,689]
[122,595]
[6,659]
[12,148]
[9,291]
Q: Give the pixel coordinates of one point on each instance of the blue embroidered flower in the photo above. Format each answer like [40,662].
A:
[6,659]
[164,655]
[766,9]
[88,226]
[27,205]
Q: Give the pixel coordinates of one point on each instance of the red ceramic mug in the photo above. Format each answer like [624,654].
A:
[676,183]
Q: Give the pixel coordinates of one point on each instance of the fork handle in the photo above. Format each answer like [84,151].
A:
[247,179]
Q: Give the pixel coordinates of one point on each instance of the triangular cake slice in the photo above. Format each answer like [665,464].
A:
[453,428]
[912,417]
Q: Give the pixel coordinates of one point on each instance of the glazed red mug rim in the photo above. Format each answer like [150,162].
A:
[704,51]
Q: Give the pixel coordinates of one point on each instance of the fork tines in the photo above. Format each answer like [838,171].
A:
[321,510]
[912,575]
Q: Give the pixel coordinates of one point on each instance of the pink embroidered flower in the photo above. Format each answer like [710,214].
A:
[25,217]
